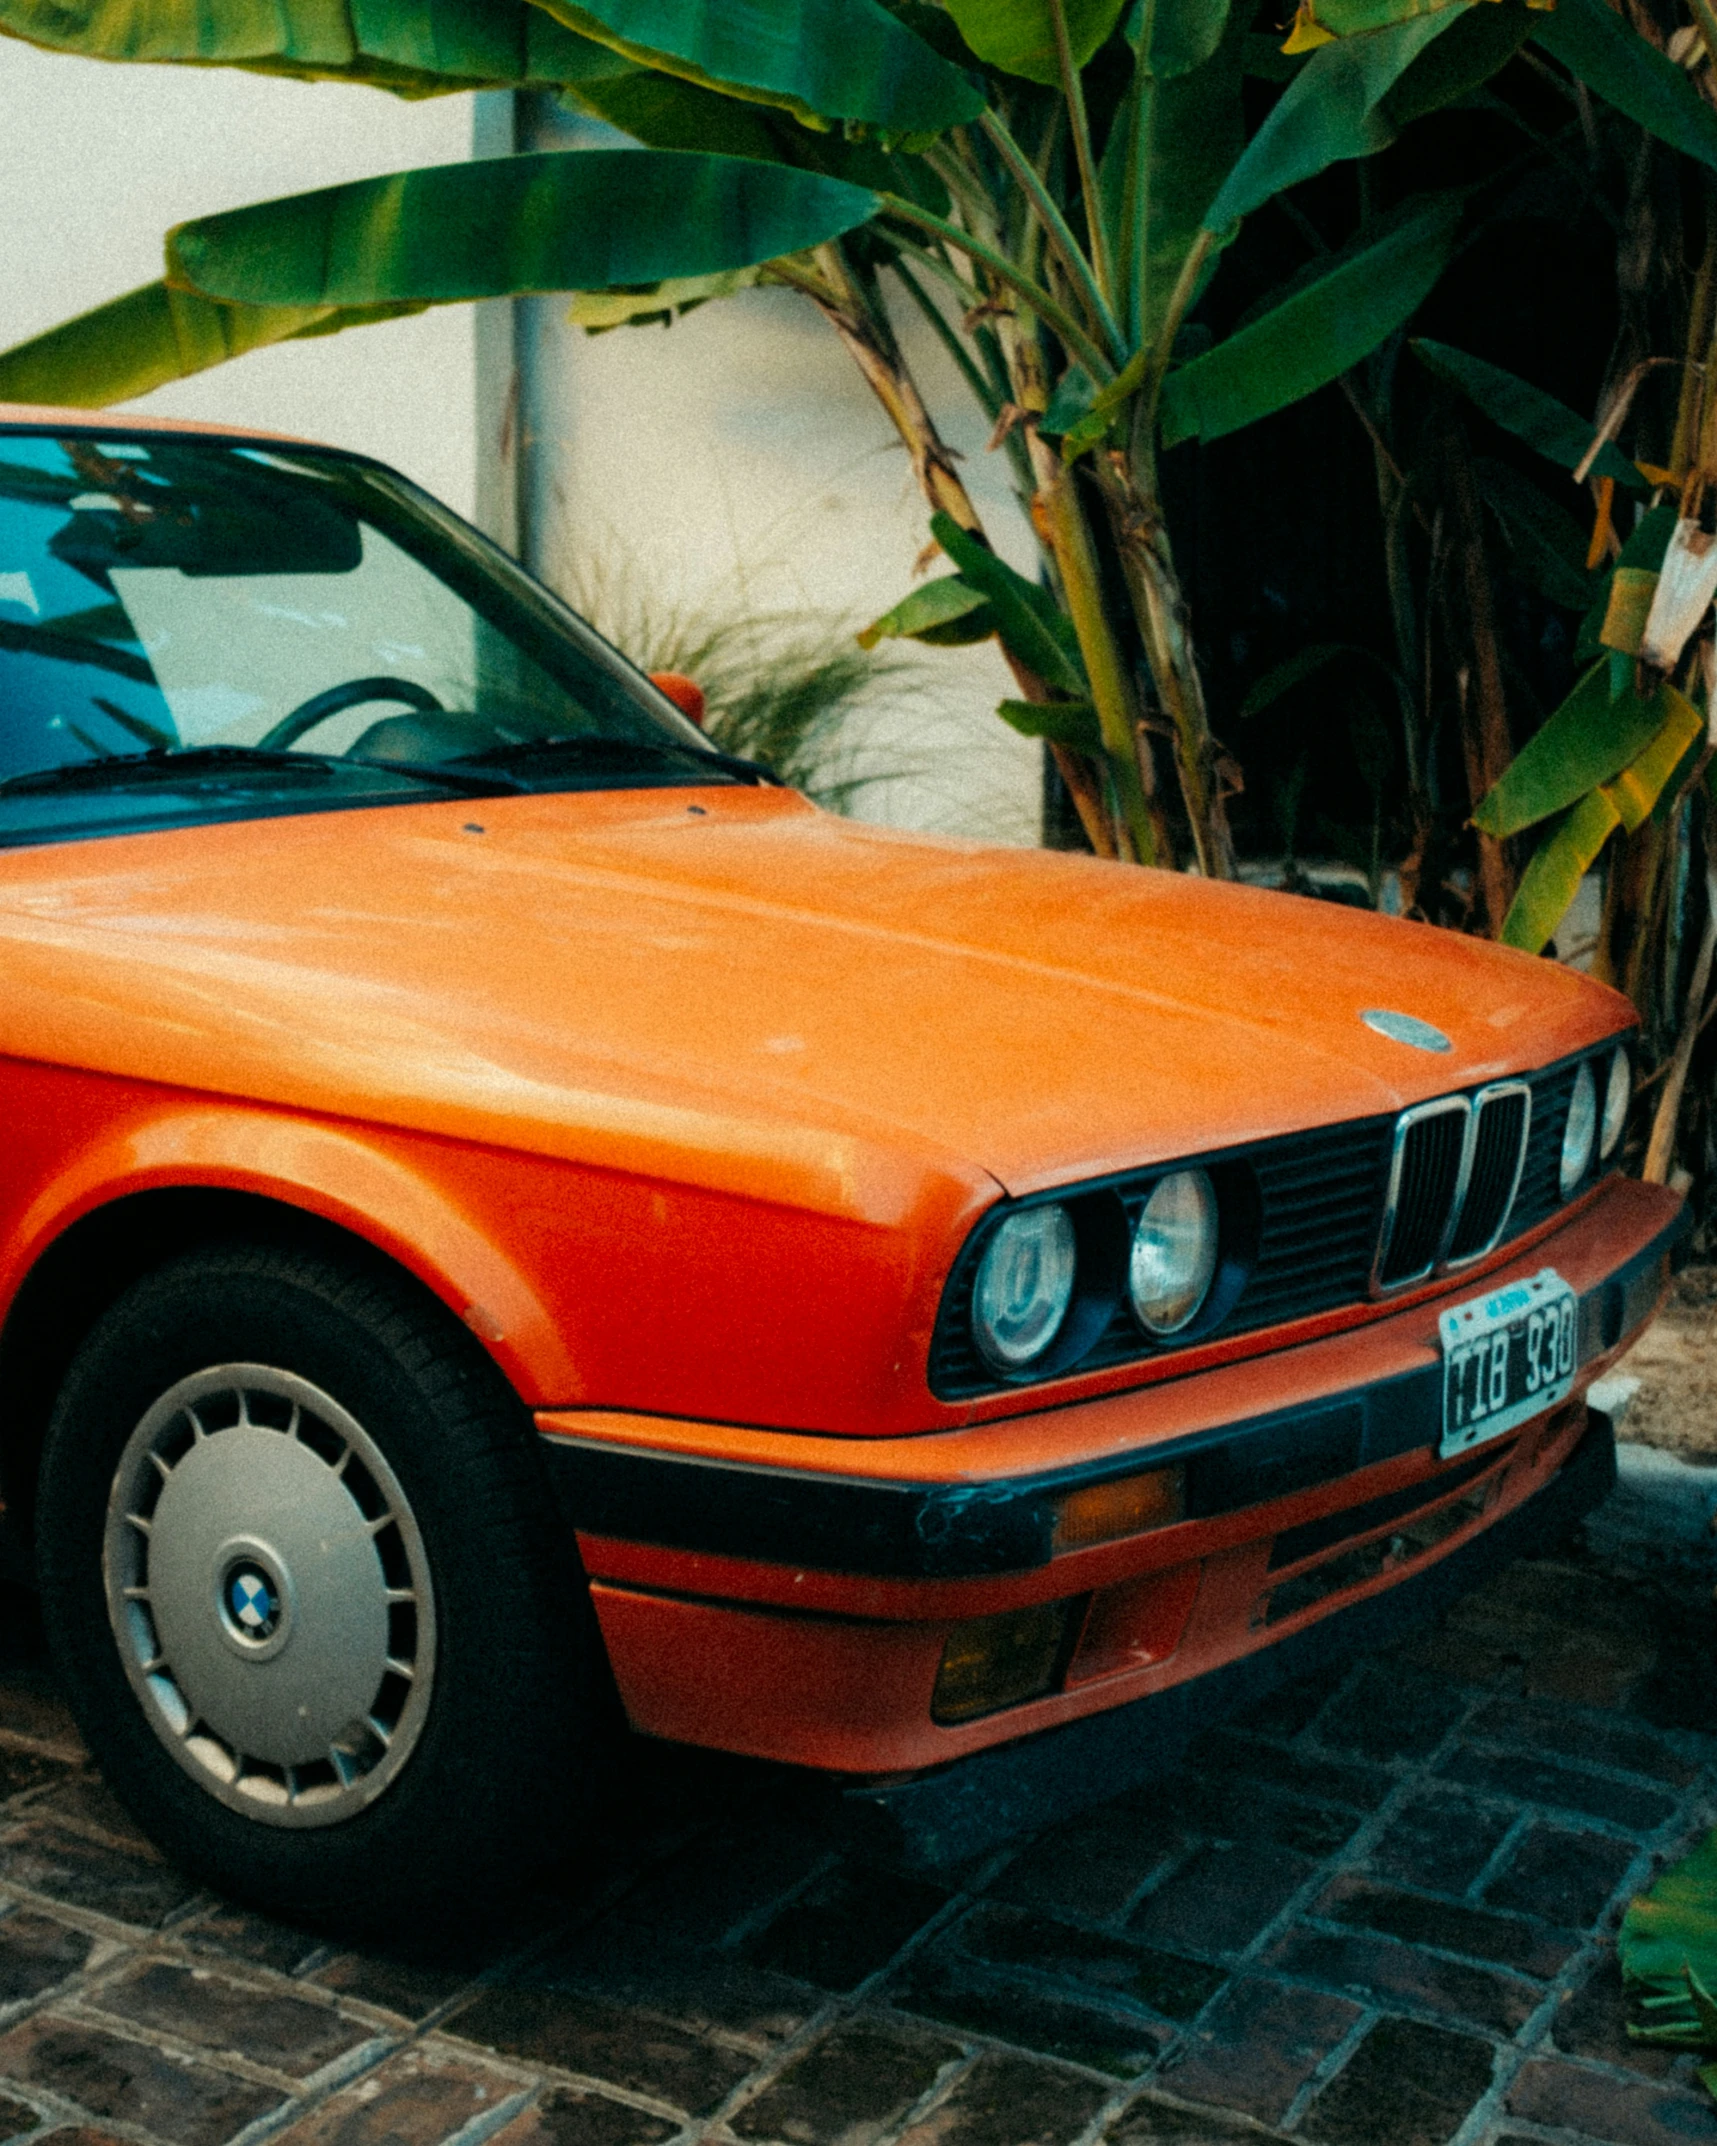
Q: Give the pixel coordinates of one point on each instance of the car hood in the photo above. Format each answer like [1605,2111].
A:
[688,982]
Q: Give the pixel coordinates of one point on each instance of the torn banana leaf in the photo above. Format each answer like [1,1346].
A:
[1569,851]
[1685,587]
[1592,736]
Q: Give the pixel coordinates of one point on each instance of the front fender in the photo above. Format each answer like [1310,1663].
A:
[357,1178]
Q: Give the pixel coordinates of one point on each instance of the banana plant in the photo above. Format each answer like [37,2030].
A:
[1054,183]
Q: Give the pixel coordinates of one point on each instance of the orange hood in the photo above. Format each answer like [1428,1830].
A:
[697,983]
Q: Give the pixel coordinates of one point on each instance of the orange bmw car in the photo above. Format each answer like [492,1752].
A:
[515,1226]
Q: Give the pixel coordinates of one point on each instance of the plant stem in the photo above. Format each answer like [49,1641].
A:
[1073,89]
[1036,297]
[1128,483]
[1112,694]
[1056,228]
[836,293]
[1660,1153]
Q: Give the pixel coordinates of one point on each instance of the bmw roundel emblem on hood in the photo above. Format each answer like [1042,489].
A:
[1403,1028]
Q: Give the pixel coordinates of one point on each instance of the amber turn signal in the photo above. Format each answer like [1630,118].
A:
[992,1662]
[1105,1511]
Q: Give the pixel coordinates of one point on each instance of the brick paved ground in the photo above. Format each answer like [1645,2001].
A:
[1375,1913]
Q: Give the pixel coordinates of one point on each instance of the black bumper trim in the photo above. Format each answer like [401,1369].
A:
[895,1530]
[975,1804]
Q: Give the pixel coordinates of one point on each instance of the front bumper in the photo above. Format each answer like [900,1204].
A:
[790,1595]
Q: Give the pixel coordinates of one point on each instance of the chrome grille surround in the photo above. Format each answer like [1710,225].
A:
[1432,1175]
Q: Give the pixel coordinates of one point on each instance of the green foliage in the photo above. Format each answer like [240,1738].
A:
[1175,138]
[1172,37]
[1061,722]
[1314,334]
[781,688]
[947,613]
[1557,432]
[561,220]
[1593,735]
[1293,671]
[422,50]
[1548,545]
[1018,36]
[1668,1951]
[1335,109]
[1609,56]
[1476,47]
[141,341]
[1569,850]
[857,63]
[1030,622]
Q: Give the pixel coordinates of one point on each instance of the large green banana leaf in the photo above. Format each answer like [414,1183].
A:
[848,61]
[1334,109]
[1018,36]
[559,220]
[1606,53]
[150,336]
[1320,329]
[423,49]
[1558,433]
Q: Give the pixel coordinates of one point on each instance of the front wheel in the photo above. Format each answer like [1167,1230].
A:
[297,1575]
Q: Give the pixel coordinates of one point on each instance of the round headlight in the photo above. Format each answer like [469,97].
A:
[1618,1093]
[1024,1286]
[1581,1130]
[1174,1252]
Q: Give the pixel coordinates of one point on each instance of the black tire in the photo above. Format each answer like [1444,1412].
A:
[517,1727]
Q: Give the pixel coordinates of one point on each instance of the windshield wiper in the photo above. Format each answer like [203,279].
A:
[620,756]
[171,763]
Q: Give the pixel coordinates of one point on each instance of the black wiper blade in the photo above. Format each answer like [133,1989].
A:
[621,755]
[159,764]
[172,763]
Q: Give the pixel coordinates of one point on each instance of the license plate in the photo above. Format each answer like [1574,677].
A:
[1507,1357]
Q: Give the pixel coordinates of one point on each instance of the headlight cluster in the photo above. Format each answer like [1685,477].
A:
[1028,1281]
[1588,1127]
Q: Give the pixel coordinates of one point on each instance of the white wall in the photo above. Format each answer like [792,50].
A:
[736,462]
[96,161]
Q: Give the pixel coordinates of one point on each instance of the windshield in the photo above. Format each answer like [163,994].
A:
[199,629]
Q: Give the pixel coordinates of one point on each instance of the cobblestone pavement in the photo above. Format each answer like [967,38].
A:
[1376,1912]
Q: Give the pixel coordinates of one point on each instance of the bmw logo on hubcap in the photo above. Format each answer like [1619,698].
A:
[251,1602]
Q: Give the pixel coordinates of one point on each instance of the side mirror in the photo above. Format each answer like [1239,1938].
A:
[685,693]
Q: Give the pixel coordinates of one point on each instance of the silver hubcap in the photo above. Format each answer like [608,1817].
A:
[270,1595]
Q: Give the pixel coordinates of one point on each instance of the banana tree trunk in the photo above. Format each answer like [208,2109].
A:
[1160,610]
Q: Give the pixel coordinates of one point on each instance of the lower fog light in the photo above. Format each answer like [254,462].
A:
[1103,1512]
[992,1662]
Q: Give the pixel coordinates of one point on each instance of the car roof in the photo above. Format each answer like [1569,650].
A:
[33,417]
